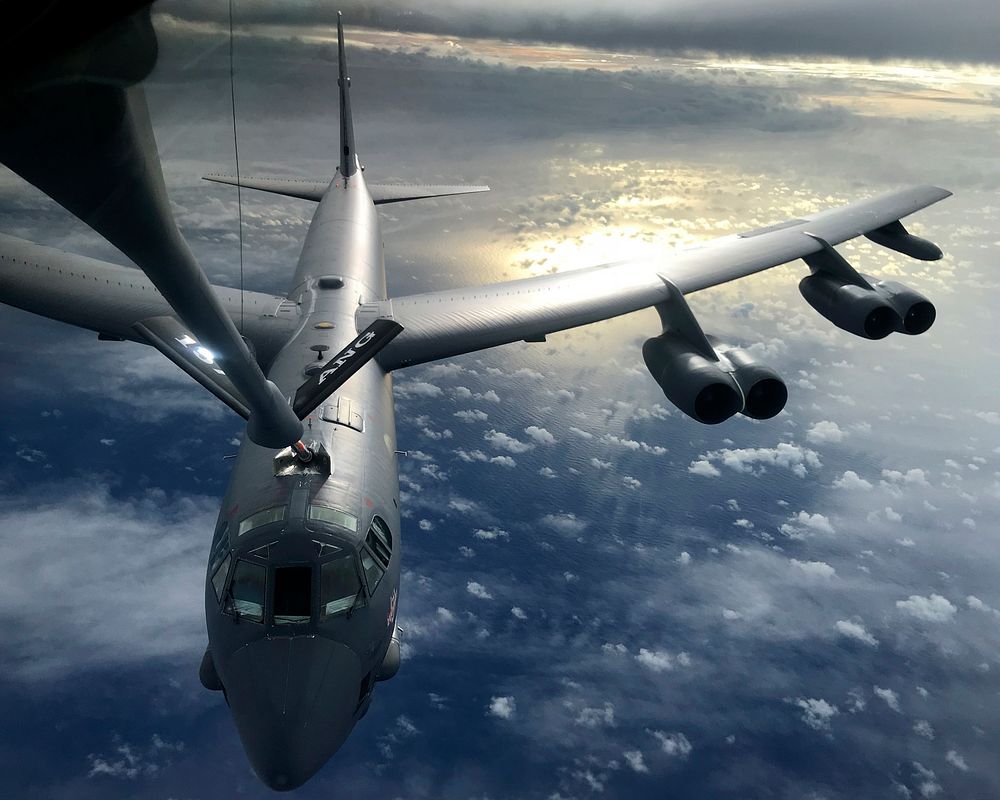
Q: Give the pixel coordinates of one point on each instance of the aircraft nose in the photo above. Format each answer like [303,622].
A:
[293,700]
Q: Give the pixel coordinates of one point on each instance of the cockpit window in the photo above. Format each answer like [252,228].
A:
[219,578]
[373,570]
[220,545]
[246,594]
[334,516]
[339,585]
[292,595]
[268,515]
[380,540]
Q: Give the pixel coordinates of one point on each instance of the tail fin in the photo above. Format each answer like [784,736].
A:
[348,158]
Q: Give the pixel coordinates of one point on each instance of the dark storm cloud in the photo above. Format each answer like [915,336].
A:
[963,31]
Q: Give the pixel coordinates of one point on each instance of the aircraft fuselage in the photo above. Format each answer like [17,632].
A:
[296,652]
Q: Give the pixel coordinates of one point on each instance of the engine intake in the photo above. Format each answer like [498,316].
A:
[854,309]
[870,313]
[697,386]
[764,393]
[915,311]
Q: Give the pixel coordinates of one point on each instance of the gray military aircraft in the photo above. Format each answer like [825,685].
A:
[302,586]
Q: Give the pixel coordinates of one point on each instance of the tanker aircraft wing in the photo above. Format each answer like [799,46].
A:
[448,323]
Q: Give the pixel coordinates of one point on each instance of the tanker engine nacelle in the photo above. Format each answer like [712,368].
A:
[712,391]
[861,304]
[870,313]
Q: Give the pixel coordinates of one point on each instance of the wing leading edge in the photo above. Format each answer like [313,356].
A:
[448,323]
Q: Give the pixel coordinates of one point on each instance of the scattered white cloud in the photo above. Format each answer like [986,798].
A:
[518,613]
[976,604]
[798,460]
[889,697]
[132,761]
[916,477]
[597,717]
[825,432]
[540,435]
[703,468]
[673,744]
[856,702]
[502,707]
[635,761]
[501,441]
[408,389]
[927,782]
[851,480]
[814,569]
[855,630]
[803,522]
[816,712]
[473,415]
[956,760]
[445,615]
[476,589]
[655,660]
[930,609]
[923,728]
[564,523]
[490,534]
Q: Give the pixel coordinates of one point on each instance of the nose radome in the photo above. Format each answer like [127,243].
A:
[293,700]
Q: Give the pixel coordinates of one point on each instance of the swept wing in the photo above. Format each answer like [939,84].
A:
[447,323]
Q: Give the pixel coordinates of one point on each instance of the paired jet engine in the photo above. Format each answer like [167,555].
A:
[706,379]
[713,390]
[861,304]
[711,381]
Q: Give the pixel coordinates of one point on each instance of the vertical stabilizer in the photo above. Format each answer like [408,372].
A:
[348,158]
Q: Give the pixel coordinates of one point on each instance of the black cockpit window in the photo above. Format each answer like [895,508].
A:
[268,515]
[334,516]
[246,593]
[373,570]
[220,546]
[339,586]
[219,578]
[292,595]
[380,540]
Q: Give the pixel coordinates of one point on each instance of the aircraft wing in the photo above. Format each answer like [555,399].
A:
[448,323]
[117,301]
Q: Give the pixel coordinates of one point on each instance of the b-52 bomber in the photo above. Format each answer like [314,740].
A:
[302,586]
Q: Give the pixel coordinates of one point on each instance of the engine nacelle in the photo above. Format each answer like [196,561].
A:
[698,387]
[869,313]
[915,311]
[852,308]
[896,237]
[764,392]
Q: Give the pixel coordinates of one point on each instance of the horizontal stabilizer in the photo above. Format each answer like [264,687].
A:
[342,366]
[381,192]
[290,187]
[169,335]
[400,192]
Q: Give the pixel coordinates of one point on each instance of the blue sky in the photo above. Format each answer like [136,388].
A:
[600,597]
